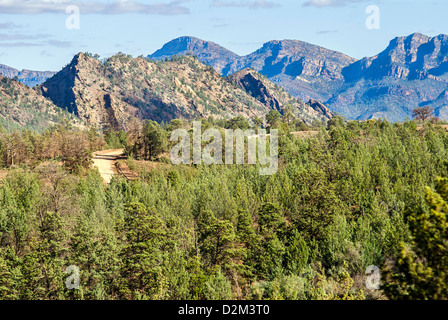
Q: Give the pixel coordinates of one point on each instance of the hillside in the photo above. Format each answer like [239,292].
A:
[107,95]
[21,106]
[415,57]
[275,97]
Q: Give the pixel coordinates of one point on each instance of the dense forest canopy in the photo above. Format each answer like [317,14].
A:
[355,195]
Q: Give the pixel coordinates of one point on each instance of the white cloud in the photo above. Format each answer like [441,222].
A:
[59,44]
[13,37]
[18,44]
[48,43]
[8,25]
[92,7]
[251,4]
[31,40]
[327,31]
[330,3]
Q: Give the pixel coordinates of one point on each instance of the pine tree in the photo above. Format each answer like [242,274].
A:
[10,287]
[142,254]
[421,270]
[296,253]
[43,263]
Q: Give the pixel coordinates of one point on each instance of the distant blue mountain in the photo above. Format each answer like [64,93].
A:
[28,77]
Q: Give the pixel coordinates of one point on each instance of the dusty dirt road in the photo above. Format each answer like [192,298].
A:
[105,162]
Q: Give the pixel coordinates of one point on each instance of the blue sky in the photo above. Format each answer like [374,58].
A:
[33,33]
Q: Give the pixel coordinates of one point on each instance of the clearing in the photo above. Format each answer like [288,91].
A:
[105,162]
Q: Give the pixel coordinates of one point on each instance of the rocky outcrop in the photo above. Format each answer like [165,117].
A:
[411,72]
[253,84]
[294,58]
[305,70]
[320,108]
[84,88]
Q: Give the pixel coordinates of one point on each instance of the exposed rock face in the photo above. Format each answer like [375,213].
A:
[28,77]
[320,108]
[21,106]
[109,94]
[206,51]
[276,98]
[256,87]
[290,57]
[8,71]
[416,57]
[411,72]
[440,105]
[85,89]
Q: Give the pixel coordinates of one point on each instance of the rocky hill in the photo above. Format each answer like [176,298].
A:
[108,94]
[21,106]
[275,97]
[28,77]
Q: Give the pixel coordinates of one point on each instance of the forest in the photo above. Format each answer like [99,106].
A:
[353,195]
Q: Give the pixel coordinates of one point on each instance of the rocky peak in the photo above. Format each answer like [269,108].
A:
[320,108]
[252,82]
[206,51]
[405,49]
[8,71]
[190,44]
[275,97]
[59,87]
[80,88]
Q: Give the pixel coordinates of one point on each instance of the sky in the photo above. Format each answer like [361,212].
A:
[44,35]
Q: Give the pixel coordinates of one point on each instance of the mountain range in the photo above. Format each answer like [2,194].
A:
[411,72]
[107,94]
[28,77]
[192,78]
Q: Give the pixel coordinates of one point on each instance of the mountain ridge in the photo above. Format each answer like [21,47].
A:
[108,94]
[298,66]
[218,56]
[411,71]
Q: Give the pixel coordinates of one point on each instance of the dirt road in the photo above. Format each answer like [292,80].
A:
[105,162]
